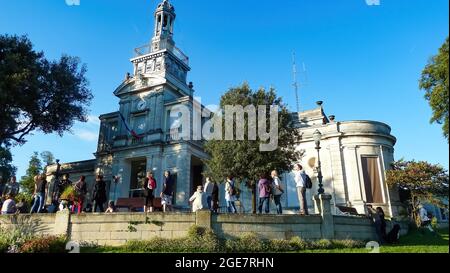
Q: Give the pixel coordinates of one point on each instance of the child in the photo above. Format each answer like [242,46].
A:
[199,200]
[9,206]
[111,207]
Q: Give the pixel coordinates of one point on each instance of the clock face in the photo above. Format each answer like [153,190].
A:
[141,105]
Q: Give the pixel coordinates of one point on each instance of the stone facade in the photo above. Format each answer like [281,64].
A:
[138,138]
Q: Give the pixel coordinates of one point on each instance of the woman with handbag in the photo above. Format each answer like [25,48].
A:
[81,189]
[149,188]
[277,191]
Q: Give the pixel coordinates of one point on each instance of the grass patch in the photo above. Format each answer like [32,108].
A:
[417,241]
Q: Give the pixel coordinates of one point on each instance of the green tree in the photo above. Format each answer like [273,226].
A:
[34,168]
[424,183]
[6,168]
[38,94]
[434,81]
[243,159]
[48,158]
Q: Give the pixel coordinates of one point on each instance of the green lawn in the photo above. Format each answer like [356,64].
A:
[414,242]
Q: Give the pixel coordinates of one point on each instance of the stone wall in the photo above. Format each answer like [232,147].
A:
[267,226]
[118,228]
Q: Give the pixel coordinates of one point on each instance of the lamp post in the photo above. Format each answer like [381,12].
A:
[317,136]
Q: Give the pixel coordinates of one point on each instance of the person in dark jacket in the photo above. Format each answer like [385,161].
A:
[61,187]
[215,197]
[167,192]
[81,189]
[394,235]
[379,221]
[99,193]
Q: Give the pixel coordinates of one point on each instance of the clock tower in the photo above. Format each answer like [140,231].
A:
[159,74]
[139,137]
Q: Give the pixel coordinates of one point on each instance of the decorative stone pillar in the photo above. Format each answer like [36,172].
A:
[203,218]
[62,221]
[327,226]
[317,207]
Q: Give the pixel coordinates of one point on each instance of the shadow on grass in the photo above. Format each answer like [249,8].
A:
[424,237]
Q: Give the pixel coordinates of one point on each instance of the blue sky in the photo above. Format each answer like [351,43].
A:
[363,61]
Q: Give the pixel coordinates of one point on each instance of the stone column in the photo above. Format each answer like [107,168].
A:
[317,205]
[354,179]
[62,221]
[203,218]
[327,226]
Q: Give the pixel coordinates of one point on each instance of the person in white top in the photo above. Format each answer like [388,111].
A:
[424,219]
[300,181]
[209,187]
[9,206]
[230,195]
[277,191]
[198,199]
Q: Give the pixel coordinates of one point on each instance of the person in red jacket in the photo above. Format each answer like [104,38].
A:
[149,188]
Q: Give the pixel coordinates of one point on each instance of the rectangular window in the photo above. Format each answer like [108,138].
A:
[372,180]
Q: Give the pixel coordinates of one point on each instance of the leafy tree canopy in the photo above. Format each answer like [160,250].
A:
[434,81]
[243,159]
[38,94]
[6,168]
[34,168]
[425,182]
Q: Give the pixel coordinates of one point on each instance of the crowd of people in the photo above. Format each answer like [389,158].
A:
[41,193]
[205,197]
[270,190]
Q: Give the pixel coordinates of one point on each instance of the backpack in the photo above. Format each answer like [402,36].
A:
[232,189]
[308,182]
[268,188]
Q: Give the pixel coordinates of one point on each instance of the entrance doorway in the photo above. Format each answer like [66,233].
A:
[196,173]
[138,173]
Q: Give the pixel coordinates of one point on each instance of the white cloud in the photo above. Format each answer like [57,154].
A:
[87,131]
[86,135]
[93,120]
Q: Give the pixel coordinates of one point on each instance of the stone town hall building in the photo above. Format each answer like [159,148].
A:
[354,154]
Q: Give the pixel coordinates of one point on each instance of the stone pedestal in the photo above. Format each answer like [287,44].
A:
[317,208]
[327,226]
[62,221]
[203,218]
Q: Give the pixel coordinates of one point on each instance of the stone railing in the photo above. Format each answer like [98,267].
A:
[118,228]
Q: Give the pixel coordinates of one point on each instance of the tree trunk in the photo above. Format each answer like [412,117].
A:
[416,217]
[254,198]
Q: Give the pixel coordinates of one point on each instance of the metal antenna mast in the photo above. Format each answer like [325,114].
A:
[295,83]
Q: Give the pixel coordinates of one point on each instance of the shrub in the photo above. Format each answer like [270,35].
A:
[277,245]
[196,231]
[14,238]
[322,244]
[3,245]
[298,243]
[22,195]
[194,243]
[347,243]
[434,223]
[249,242]
[45,244]
[69,194]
